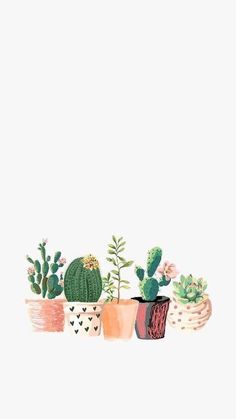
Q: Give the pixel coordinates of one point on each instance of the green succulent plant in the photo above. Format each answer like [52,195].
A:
[113,281]
[44,277]
[189,289]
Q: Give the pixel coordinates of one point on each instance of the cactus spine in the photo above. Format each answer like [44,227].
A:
[82,281]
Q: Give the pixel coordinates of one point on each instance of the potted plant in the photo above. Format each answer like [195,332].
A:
[118,314]
[46,314]
[190,307]
[83,288]
[152,310]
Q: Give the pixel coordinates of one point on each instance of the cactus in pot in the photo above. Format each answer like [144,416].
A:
[152,311]
[83,288]
[46,280]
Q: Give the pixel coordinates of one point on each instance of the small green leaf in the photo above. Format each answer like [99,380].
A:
[121,250]
[122,259]
[115,272]
[29,259]
[121,244]
[127,264]
[112,246]
[114,239]
[125,286]
[124,281]
[183,300]
[109,259]
[119,240]
[111,252]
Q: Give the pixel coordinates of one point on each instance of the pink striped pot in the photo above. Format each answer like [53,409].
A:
[46,315]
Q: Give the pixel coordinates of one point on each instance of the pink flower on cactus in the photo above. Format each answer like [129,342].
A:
[168,269]
[62,261]
[31,270]
[45,241]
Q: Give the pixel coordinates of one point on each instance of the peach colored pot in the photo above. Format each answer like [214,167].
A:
[191,316]
[119,319]
[83,319]
[46,315]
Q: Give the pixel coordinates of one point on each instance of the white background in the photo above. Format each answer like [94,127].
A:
[118,117]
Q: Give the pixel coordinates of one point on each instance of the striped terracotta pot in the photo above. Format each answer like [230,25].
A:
[151,317]
[46,315]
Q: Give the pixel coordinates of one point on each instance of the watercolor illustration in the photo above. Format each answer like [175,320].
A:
[152,310]
[190,308]
[45,279]
[118,314]
[83,288]
[85,303]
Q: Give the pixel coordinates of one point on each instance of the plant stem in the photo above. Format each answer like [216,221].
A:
[118,289]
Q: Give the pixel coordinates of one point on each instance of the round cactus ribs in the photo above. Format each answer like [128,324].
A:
[82,280]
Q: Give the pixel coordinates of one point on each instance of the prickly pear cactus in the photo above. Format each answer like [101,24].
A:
[50,286]
[149,286]
[154,258]
[82,281]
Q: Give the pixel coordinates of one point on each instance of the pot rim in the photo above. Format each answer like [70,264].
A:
[45,300]
[123,302]
[159,299]
[84,303]
[205,298]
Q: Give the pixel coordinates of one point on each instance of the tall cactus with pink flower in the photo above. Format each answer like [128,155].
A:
[148,284]
[44,275]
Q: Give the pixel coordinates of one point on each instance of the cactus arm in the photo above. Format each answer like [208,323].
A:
[164,281]
[44,286]
[154,259]
[57,257]
[140,272]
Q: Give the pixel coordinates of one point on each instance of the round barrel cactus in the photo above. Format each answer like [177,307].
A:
[82,281]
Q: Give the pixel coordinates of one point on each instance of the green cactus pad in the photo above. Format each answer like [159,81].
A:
[54,267]
[57,256]
[154,258]
[45,268]
[149,288]
[37,266]
[82,282]
[139,272]
[44,286]
[39,278]
[31,278]
[52,282]
[36,288]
